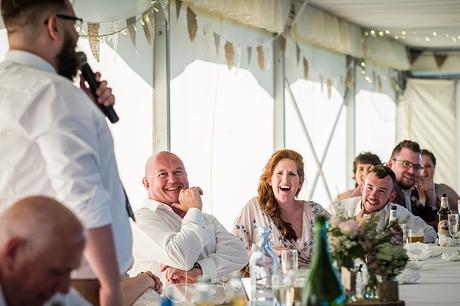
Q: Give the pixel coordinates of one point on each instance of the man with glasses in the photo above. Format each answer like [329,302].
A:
[56,142]
[406,163]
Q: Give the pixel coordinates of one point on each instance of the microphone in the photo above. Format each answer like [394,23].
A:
[90,78]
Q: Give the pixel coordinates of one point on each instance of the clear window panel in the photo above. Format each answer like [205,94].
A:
[319,111]
[375,114]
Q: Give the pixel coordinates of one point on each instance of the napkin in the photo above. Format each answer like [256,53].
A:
[414,265]
[408,277]
[445,241]
[418,251]
[450,255]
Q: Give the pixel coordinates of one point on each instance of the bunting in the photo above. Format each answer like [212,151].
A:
[131,24]
[192,26]
[94,40]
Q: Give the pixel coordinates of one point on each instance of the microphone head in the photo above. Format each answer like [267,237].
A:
[81,57]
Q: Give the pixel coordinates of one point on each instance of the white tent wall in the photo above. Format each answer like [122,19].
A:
[129,73]
[428,115]
[317,91]
[221,117]
[375,112]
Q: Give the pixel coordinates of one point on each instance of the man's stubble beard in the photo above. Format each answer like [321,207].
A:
[67,62]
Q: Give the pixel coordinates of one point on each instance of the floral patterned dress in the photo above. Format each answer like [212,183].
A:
[252,218]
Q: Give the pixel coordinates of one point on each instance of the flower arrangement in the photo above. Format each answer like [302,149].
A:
[359,238]
[345,238]
[391,260]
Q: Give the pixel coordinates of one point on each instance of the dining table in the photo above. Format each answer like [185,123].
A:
[439,282]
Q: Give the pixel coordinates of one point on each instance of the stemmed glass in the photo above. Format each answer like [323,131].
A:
[289,261]
[452,222]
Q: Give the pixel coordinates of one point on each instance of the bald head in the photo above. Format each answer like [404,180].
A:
[41,242]
[160,157]
[39,219]
[165,176]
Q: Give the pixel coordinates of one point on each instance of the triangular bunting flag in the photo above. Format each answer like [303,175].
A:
[260,57]
[131,23]
[192,26]
[217,42]
[249,50]
[229,54]
[440,59]
[305,68]
[329,88]
[349,79]
[93,38]
[282,42]
[178,7]
[414,55]
[148,24]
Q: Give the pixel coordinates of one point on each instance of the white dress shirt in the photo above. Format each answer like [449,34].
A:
[56,142]
[352,206]
[180,243]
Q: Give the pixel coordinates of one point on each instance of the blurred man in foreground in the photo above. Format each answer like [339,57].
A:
[41,242]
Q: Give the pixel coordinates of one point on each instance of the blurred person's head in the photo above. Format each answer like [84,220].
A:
[165,176]
[429,165]
[45,28]
[41,242]
[377,188]
[279,184]
[406,163]
[362,163]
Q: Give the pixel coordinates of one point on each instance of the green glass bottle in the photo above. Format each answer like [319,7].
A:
[322,287]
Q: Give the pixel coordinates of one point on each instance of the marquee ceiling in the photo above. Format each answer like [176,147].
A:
[433,24]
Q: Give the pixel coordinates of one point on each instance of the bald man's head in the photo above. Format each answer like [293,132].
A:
[165,176]
[41,242]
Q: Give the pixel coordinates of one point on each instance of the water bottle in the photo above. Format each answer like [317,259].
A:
[263,265]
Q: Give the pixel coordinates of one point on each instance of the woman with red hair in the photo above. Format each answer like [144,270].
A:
[276,206]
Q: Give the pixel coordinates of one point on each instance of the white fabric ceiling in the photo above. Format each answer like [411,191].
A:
[418,18]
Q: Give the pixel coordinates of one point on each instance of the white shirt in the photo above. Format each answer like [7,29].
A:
[180,243]
[56,142]
[352,206]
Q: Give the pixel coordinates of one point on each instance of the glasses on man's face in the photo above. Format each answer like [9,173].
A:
[407,164]
[77,22]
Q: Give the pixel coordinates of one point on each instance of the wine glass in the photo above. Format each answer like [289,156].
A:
[452,222]
[289,260]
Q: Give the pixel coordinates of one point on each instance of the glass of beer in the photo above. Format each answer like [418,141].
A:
[415,235]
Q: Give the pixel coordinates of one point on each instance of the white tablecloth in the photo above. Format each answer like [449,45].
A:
[439,284]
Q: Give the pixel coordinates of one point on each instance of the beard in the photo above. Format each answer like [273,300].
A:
[67,62]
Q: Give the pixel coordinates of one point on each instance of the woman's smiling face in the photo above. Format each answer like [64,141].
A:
[285,181]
